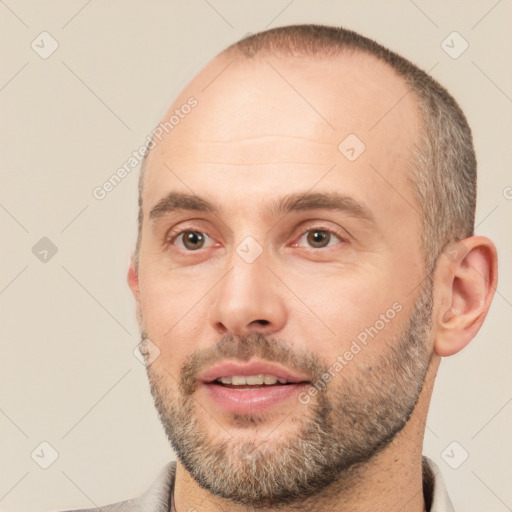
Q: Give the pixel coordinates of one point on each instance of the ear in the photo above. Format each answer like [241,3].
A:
[133,282]
[464,285]
[133,278]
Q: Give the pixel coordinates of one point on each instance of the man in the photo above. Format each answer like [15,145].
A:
[305,258]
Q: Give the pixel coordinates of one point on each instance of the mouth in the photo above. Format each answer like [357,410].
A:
[250,388]
[250,381]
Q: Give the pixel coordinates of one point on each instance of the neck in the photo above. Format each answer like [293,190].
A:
[381,489]
[390,482]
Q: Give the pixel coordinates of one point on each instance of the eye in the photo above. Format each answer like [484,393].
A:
[191,240]
[318,238]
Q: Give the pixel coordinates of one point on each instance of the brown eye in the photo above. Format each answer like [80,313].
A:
[192,240]
[318,238]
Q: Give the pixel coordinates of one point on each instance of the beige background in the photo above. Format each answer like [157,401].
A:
[68,374]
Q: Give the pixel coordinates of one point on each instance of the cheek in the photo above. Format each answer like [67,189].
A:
[173,314]
[364,306]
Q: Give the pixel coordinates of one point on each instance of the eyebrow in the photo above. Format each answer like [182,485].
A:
[290,203]
[180,201]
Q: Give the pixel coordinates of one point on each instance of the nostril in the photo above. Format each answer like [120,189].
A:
[262,322]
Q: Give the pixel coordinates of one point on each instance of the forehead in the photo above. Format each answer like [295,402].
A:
[281,120]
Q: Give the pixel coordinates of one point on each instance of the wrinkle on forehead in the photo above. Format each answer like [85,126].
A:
[258,150]
[310,100]
[251,121]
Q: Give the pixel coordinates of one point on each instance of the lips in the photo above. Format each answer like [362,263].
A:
[248,388]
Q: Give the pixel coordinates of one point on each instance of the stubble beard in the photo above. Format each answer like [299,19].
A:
[342,428]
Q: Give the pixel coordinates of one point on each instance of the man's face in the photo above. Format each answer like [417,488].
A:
[304,267]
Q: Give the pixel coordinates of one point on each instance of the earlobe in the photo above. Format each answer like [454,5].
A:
[133,282]
[133,278]
[465,283]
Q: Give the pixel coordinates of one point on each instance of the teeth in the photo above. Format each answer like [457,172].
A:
[251,380]
[254,380]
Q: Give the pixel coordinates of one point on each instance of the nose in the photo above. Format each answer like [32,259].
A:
[248,300]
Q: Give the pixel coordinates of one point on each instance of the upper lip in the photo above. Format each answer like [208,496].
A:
[231,368]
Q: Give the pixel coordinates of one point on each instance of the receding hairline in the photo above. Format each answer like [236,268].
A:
[444,162]
[329,41]
[240,53]
[235,54]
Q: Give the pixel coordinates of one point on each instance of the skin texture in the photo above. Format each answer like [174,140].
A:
[263,129]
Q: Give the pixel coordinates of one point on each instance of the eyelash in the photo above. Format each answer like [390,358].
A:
[173,236]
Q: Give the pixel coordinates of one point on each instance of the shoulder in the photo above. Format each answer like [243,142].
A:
[434,489]
[155,499]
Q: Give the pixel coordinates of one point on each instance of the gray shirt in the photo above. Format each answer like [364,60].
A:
[158,498]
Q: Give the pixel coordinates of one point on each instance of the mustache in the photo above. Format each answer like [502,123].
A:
[243,348]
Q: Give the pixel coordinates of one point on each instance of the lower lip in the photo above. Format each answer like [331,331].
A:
[251,400]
